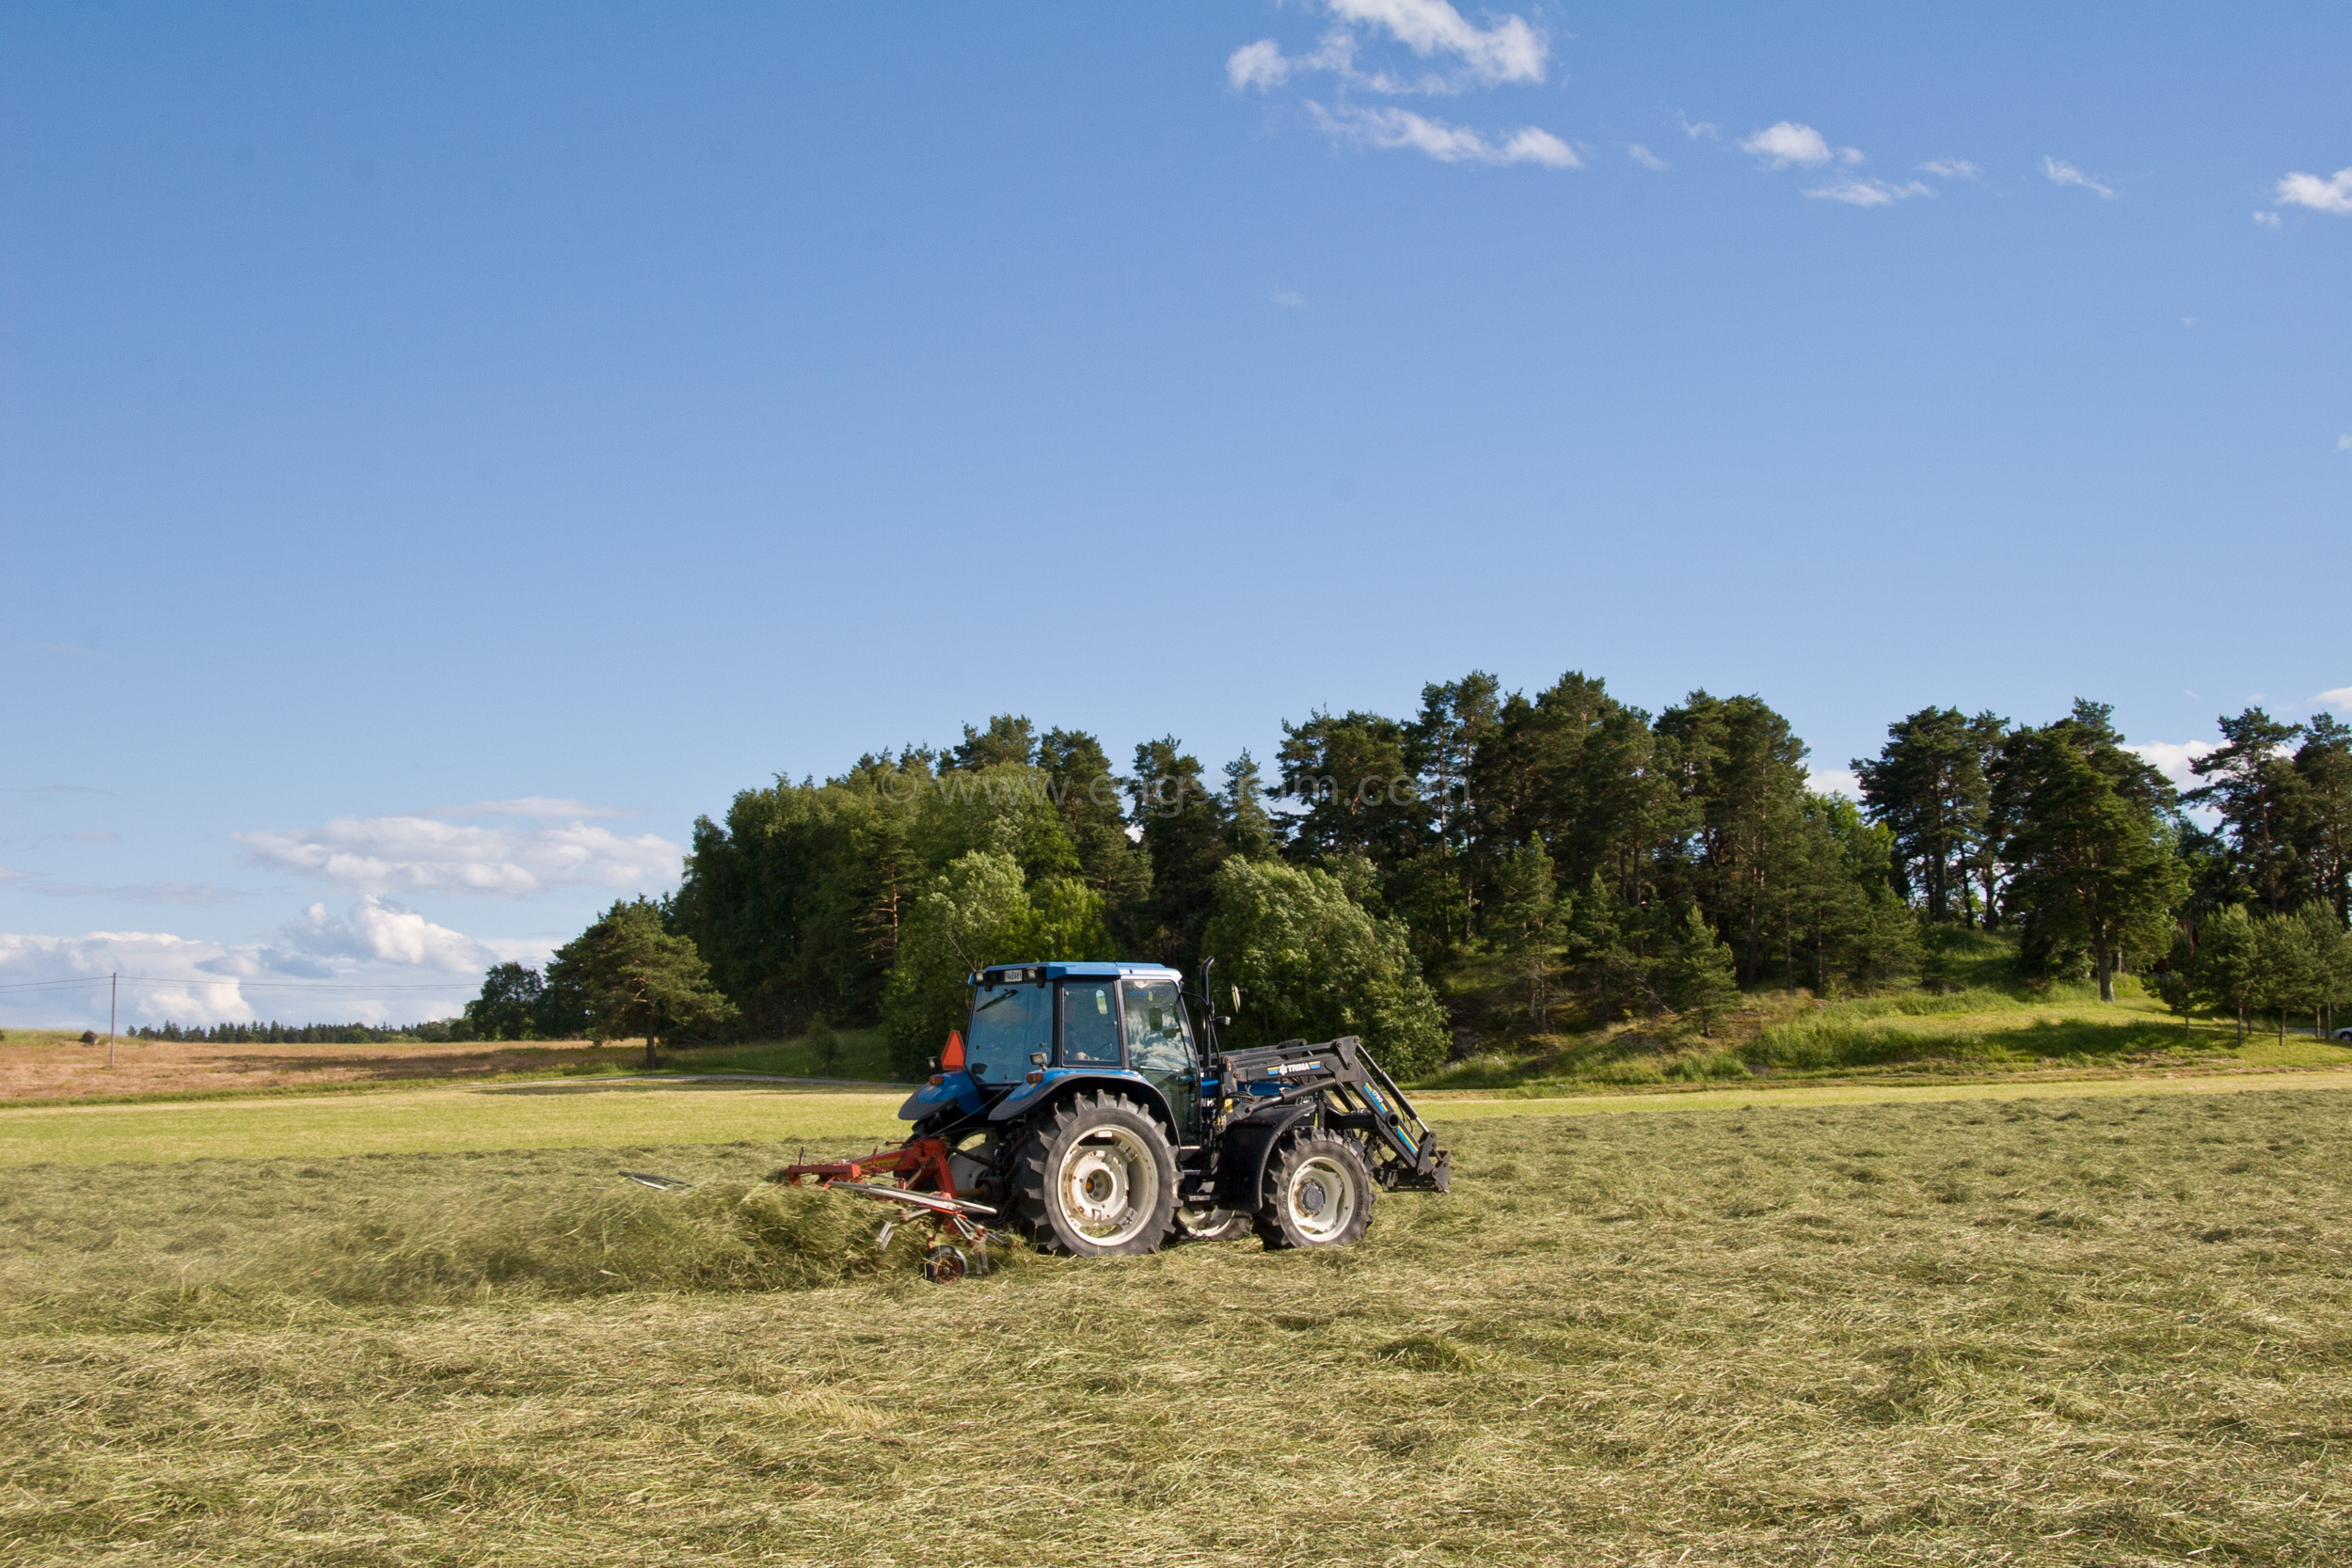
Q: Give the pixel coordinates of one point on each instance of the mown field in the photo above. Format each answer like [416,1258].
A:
[49,1065]
[2111,1328]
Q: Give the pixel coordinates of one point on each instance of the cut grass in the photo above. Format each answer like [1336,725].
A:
[52,1067]
[2102,1330]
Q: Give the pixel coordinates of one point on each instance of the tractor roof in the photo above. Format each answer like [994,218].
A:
[997,975]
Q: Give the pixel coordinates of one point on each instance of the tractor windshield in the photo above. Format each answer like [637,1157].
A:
[1008,1024]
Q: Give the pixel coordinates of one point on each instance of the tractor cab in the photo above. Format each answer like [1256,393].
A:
[1036,1028]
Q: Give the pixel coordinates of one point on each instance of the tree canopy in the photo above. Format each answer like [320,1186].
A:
[1602,861]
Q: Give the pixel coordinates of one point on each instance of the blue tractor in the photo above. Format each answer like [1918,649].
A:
[1081,1105]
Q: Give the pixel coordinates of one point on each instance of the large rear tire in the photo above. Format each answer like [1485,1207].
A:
[1096,1179]
[1319,1193]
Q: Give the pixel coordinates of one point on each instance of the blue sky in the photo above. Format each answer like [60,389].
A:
[443,450]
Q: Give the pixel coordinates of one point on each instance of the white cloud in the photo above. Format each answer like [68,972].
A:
[1510,51]
[1447,144]
[1644,157]
[2067,174]
[1788,143]
[2171,758]
[1868,193]
[1952,168]
[1704,127]
[2320,196]
[380,931]
[378,963]
[532,806]
[1257,65]
[2344,442]
[1836,780]
[2268,220]
[1289,299]
[2338,698]
[418,854]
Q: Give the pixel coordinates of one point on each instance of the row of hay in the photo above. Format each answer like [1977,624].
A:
[434,1247]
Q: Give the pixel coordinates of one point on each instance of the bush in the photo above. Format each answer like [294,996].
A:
[1312,963]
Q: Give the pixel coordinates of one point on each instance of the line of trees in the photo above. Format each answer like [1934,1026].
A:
[285,1034]
[1604,861]
[2090,852]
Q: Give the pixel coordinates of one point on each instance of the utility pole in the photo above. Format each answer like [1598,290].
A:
[114,991]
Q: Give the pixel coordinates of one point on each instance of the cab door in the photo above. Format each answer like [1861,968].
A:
[1159,1046]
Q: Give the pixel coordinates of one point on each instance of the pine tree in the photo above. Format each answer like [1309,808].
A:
[2093,852]
[639,979]
[2258,795]
[1084,790]
[1184,835]
[1525,921]
[1249,828]
[1598,928]
[2323,826]
[1928,784]
[1698,972]
[2226,975]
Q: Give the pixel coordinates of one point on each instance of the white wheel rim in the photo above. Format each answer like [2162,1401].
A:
[1109,1185]
[1320,1197]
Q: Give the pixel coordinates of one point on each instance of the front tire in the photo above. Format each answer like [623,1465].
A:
[1319,1193]
[1097,1179]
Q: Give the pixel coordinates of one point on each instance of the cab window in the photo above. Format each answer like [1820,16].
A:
[1089,1023]
[1158,1037]
[1008,1024]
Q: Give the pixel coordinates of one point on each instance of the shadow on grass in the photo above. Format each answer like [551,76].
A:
[859,1055]
[1818,1043]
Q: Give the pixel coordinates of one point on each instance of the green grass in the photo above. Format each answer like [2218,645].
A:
[1977,1030]
[508,1117]
[862,1056]
[2105,1329]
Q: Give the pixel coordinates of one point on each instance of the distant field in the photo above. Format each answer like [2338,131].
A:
[44,1064]
[53,1065]
[2105,1329]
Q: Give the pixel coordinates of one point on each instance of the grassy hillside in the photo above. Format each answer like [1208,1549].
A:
[2094,1330]
[1986,1021]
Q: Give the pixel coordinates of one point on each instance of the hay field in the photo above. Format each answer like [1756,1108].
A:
[50,1064]
[592,1113]
[2108,1329]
